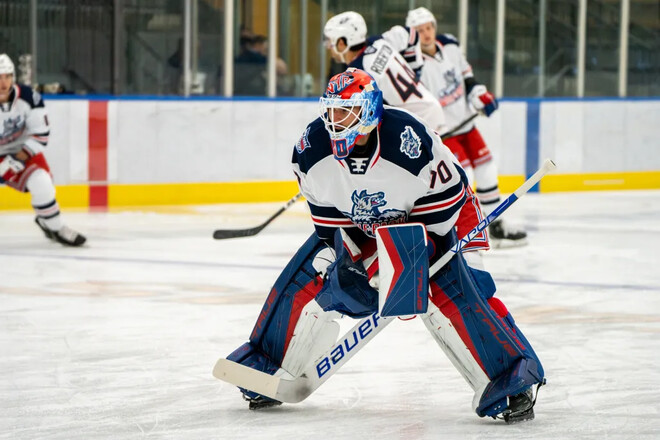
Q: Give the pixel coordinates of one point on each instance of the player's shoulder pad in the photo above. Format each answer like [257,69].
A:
[405,140]
[446,39]
[30,96]
[313,146]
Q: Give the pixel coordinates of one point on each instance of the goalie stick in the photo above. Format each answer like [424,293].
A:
[298,389]
[220,234]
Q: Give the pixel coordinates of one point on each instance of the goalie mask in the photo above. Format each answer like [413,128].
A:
[351,107]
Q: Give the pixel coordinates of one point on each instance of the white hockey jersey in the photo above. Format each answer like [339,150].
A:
[398,82]
[405,174]
[444,74]
[23,122]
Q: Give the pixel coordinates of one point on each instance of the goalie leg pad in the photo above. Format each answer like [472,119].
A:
[291,328]
[487,335]
[296,286]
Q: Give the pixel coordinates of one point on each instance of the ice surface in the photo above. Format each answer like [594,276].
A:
[118,339]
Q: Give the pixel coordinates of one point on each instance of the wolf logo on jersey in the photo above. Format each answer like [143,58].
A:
[12,129]
[303,142]
[411,145]
[366,215]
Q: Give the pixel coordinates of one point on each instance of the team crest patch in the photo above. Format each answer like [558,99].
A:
[368,215]
[411,145]
[303,143]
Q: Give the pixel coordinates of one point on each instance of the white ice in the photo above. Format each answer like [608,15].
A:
[117,340]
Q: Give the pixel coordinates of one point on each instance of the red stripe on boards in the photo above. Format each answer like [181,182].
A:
[98,154]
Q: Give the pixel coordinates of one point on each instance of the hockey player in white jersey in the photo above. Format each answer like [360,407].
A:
[346,38]
[448,75]
[23,139]
[361,166]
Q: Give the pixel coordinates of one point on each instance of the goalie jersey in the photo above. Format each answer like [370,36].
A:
[403,174]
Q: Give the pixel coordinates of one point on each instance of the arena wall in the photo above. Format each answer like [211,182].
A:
[107,151]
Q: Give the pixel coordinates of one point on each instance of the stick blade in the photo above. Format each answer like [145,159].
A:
[221,234]
[288,391]
[245,377]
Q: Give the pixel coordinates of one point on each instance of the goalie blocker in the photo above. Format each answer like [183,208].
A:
[474,329]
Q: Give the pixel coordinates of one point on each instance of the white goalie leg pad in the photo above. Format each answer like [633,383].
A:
[315,332]
[451,343]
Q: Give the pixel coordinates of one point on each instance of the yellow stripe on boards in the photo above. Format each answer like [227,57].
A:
[120,195]
[200,193]
[600,181]
[68,196]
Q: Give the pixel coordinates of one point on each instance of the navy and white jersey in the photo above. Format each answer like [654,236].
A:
[398,82]
[406,175]
[444,74]
[23,122]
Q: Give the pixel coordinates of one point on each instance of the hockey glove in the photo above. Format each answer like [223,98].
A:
[10,168]
[346,287]
[482,100]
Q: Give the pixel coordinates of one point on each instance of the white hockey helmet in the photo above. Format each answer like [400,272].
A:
[7,66]
[420,16]
[348,25]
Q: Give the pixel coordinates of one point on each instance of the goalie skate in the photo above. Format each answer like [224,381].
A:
[261,402]
[521,406]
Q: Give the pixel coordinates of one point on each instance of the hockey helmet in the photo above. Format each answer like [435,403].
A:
[348,25]
[351,107]
[6,65]
[420,16]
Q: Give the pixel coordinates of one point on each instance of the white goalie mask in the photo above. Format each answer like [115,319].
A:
[348,25]
[420,16]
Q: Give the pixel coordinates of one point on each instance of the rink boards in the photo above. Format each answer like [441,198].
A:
[107,151]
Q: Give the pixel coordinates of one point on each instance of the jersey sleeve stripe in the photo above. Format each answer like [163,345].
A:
[438,206]
[328,216]
[445,196]
[332,222]
[440,217]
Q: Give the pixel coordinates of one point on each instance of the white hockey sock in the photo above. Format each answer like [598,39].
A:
[41,188]
[488,190]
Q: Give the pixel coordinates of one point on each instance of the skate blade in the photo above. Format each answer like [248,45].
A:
[524,416]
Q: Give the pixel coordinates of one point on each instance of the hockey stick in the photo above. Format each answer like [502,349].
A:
[220,234]
[298,389]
